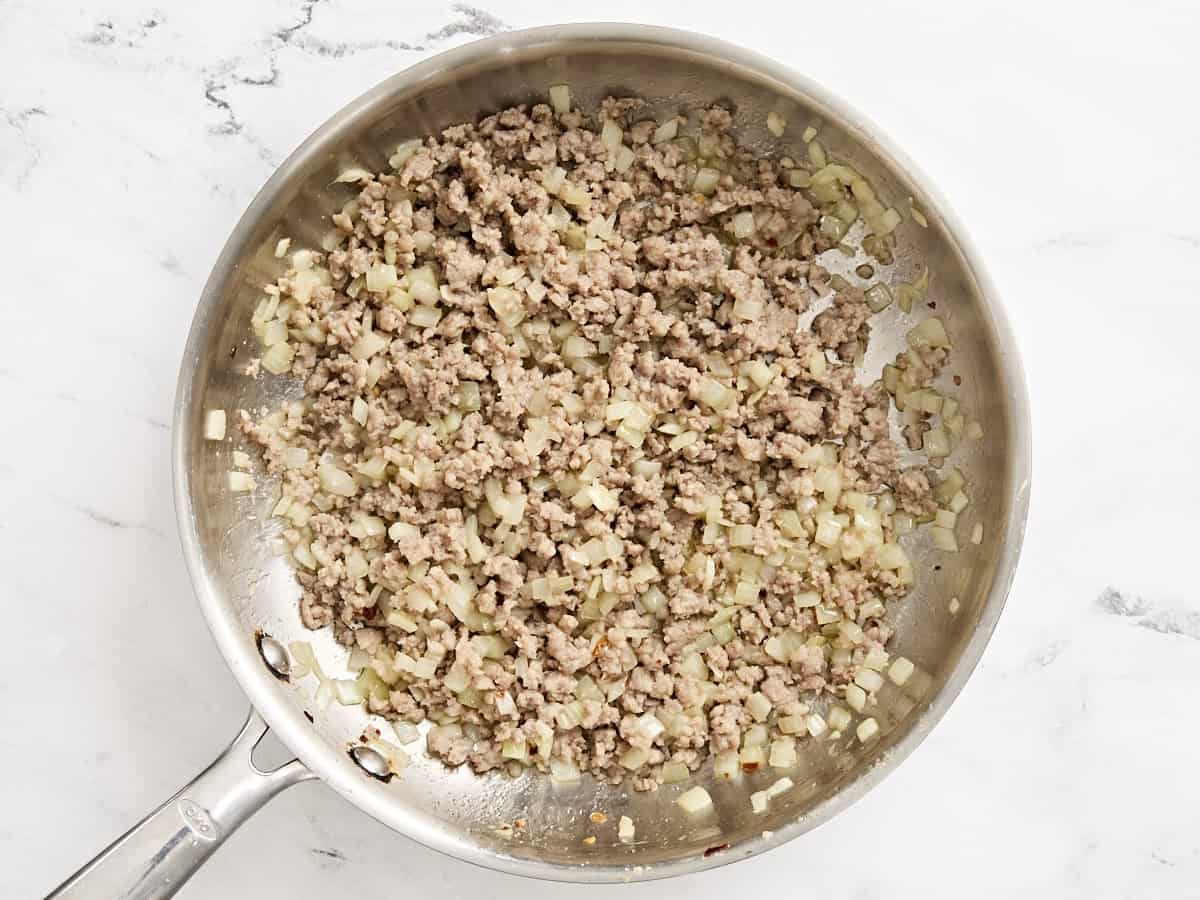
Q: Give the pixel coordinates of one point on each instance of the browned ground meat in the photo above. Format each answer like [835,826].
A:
[569,469]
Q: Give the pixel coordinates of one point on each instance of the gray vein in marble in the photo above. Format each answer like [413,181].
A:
[215,86]
[19,122]
[106,33]
[1190,239]
[472,21]
[1071,241]
[331,853]
[171,264]
[476,22]
[218,79]
[1048,654]
[1182,622]
[109,521]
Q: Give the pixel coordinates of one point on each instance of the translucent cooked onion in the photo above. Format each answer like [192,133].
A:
[278,359]
[943,539]
[625,830]
[214,425]
[665,132]
[560,98]
[706,181]
[241,482]
[816,154]
[900,671]
[674,772]
[776,124]
[335,481]
[866,730]
[563,772]
[783,753]
[695,801]
[743,225]
[611,135]
[878,297]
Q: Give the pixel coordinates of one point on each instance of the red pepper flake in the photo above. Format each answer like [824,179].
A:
[750,767]
[715,849]
[598,817]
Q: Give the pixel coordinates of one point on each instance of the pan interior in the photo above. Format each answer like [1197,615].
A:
[246,589]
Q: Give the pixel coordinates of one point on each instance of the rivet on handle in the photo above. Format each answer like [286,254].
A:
[274,655]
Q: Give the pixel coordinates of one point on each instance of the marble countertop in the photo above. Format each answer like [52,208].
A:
[134,132]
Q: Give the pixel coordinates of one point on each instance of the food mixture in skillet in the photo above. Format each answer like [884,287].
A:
[582,471]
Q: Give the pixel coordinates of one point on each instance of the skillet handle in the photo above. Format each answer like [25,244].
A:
[155,857]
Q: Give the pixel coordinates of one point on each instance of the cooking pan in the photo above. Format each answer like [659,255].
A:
[249,596]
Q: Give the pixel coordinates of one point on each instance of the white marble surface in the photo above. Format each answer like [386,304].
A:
[132,135]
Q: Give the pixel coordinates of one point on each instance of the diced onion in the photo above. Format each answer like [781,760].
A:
[868,679]
[776,124]
[281,247]
[809,133]
[866,730]
[424,317]
[625,159]
[816,154]
[743,225]
[900,671]
[783,753]
[856,697]
[674,772]
[782,786]
[886,223]
[560,98]
[799,178]
[838,718]
[759,802]
[366,346]
[352,175]
[562,772]
[816,725]
[878,297]
[943,539]
[759,706]
[214,425]
[715,395]
[930,333]
[936,443]
[977,533]
[335,481]
[404,153]
[706,181]
[381,277]
[695,801]
[625,830]
[611,135]
[241,482]
[665,132]
[278,359]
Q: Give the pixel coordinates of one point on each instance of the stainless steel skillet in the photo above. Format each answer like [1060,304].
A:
[249,596]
